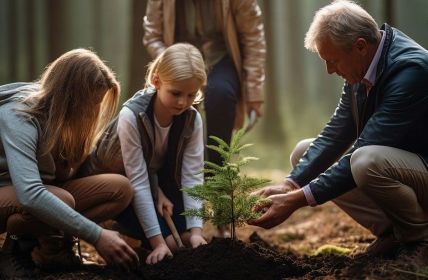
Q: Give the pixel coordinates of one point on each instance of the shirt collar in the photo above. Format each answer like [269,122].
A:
[370,76]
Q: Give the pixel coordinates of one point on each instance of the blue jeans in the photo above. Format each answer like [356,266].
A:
[221,96]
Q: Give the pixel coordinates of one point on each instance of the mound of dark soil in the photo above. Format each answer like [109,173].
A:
[224,259]
[257,259]
[220,259]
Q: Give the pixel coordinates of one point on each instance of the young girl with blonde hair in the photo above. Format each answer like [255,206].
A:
[157,141]
[48,128]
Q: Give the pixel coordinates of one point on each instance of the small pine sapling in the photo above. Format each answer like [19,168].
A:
[226,192]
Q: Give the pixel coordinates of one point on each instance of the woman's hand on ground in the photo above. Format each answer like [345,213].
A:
[115,251]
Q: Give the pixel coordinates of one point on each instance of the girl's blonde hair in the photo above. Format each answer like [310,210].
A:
[178,62]
[68,104]
[343,22]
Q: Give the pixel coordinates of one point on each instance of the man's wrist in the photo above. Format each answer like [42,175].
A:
[298,197]
[309,196]
[290,184]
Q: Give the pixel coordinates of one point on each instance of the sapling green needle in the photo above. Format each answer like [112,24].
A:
[226,192]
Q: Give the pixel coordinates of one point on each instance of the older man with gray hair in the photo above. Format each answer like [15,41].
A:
[371,157]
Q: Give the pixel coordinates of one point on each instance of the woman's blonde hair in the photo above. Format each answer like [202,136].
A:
[178,62]
[343,22]
[68,104]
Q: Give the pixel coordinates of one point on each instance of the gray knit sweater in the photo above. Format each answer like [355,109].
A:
[23,166]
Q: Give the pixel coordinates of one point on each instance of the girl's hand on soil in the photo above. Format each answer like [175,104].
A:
[158,254]
[196,239]
[279,208]
[115,251]
[164,204]
[282,188]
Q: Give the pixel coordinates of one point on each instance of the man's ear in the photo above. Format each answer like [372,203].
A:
[155,81]
[361,45]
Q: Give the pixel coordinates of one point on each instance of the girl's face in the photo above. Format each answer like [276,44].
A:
[177,96]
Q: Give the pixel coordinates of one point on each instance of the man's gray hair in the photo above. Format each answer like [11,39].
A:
[343,22]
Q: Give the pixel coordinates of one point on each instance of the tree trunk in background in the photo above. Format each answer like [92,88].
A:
[55,29]
[271,114]
[138,54]
[389,12]
[13,41]
[296,89]
[31,35]
[97,24]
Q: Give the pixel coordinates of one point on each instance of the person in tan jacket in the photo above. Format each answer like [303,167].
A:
[230,36]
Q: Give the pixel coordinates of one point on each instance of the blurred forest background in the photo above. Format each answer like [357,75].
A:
[300,95]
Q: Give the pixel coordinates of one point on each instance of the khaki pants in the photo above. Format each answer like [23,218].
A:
[391,193]
[99,198]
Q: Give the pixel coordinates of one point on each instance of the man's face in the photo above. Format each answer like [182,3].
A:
[351,64]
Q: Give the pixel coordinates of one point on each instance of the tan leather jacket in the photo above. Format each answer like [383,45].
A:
[243,33]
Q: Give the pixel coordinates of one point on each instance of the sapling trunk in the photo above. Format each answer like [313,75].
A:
[232,206]
[233,220]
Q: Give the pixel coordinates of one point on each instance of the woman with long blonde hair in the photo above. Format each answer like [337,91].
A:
[47,129]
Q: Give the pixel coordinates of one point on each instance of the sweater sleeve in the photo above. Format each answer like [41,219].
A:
[19,137]
[193,163]
[136,171]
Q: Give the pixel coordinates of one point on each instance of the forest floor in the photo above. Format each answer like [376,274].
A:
[287,251]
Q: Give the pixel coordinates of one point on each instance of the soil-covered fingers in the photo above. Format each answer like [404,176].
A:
[276,210]
[131,256]
[126,258]
[115,250]
[262,208]
[265,221]
[281,207]
[262,205]
[158,254]
[197,240]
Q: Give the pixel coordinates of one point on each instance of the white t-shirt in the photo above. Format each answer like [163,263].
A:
[136,168]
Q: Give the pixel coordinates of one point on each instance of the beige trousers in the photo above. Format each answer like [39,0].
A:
[99,198]
[391,193]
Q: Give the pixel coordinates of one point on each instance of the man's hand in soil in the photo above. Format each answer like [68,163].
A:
[160,250]
[282,188]
[196,239]
[279,208]
[115,251]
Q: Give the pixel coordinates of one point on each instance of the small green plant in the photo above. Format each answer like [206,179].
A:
[225,192]
[291,236]
[329,249]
